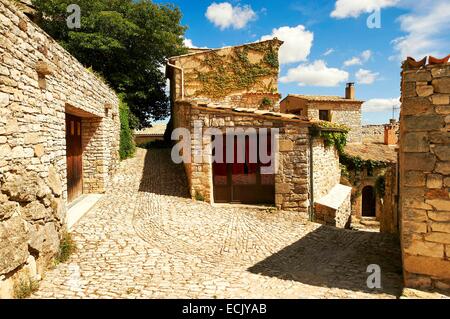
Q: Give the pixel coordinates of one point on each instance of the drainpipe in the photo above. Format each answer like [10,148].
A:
[182,77]
[311,178]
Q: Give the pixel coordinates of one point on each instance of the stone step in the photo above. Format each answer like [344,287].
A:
[370,222]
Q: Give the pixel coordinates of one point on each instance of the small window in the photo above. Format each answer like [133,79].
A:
[324,115]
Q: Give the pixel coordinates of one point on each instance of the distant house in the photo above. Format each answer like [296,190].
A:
[342,110]
[150,134]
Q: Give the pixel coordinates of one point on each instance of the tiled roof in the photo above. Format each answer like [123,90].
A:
[155,130]
[252,111]
[372,151]
[324,98]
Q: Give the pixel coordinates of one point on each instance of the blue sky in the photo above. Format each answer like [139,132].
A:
[328,43]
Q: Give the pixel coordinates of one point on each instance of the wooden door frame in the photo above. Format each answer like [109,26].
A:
[77,120]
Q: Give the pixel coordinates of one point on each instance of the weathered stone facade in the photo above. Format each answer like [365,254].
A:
[244,108]
[341,111]
[425,176]
[241,76]
[39,84]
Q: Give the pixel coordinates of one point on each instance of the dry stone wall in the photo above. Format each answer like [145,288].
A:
[425,176]
[39,83]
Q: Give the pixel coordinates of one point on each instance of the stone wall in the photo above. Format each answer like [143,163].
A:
[39,83]
[389,221]
[291,181]
[241,76]
[327,172]
[348,114]
[342,111]
[425,176]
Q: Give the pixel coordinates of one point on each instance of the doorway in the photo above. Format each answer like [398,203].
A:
[368,202]
[74,155]
[243,183]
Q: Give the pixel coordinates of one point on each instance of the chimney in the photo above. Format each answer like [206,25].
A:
[350,91]
[390,133]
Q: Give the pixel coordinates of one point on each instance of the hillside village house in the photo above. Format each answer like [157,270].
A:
[342,110]
[59,140]
[237,87]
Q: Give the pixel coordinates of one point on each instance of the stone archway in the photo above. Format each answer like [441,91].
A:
[368,202]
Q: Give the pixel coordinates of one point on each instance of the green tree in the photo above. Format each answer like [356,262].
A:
[126,41]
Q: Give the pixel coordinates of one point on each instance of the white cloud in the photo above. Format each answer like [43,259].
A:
[315,74]
[224,15]
[297,43]
[427,28]
[353,61]
[366,76]
[381,105]
[328,52]
[354,8]
[359,60]
[189,44]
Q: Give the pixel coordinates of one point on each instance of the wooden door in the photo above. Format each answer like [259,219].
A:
[243,182]
[74,155]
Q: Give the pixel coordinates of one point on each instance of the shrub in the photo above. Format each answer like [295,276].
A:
[66,248]
[25,288]
[127,145]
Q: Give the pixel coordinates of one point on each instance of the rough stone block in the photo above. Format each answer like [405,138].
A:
[424,90]
[440,99]
[417,76]
[423,248]
[443,238]
[434,181]
[417,106]
[427,265]
[442,152]
[423,123]
[441,85]
[414,178]
[14,247]
[443,168]
[415,142]
[419,162]
[440,227]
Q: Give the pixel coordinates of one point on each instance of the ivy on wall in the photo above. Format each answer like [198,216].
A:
[333,134]
[221,75]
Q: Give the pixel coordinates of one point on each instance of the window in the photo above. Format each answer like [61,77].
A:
[324,115]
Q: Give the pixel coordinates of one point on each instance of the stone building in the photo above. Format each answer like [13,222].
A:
[342,110]
[370,169]
[59,138]
[237,87]
[425,175]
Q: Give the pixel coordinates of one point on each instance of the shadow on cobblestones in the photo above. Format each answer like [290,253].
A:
[337,258]
[161,176]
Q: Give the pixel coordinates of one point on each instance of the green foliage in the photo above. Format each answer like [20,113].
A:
[199,197]
[355,163]
[25,288]
[235,72]
[127,146]
[266,101]
[380,186]
[66,248]
[124,41]
[333,134]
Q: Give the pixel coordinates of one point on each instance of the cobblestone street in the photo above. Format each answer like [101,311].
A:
[146,239]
